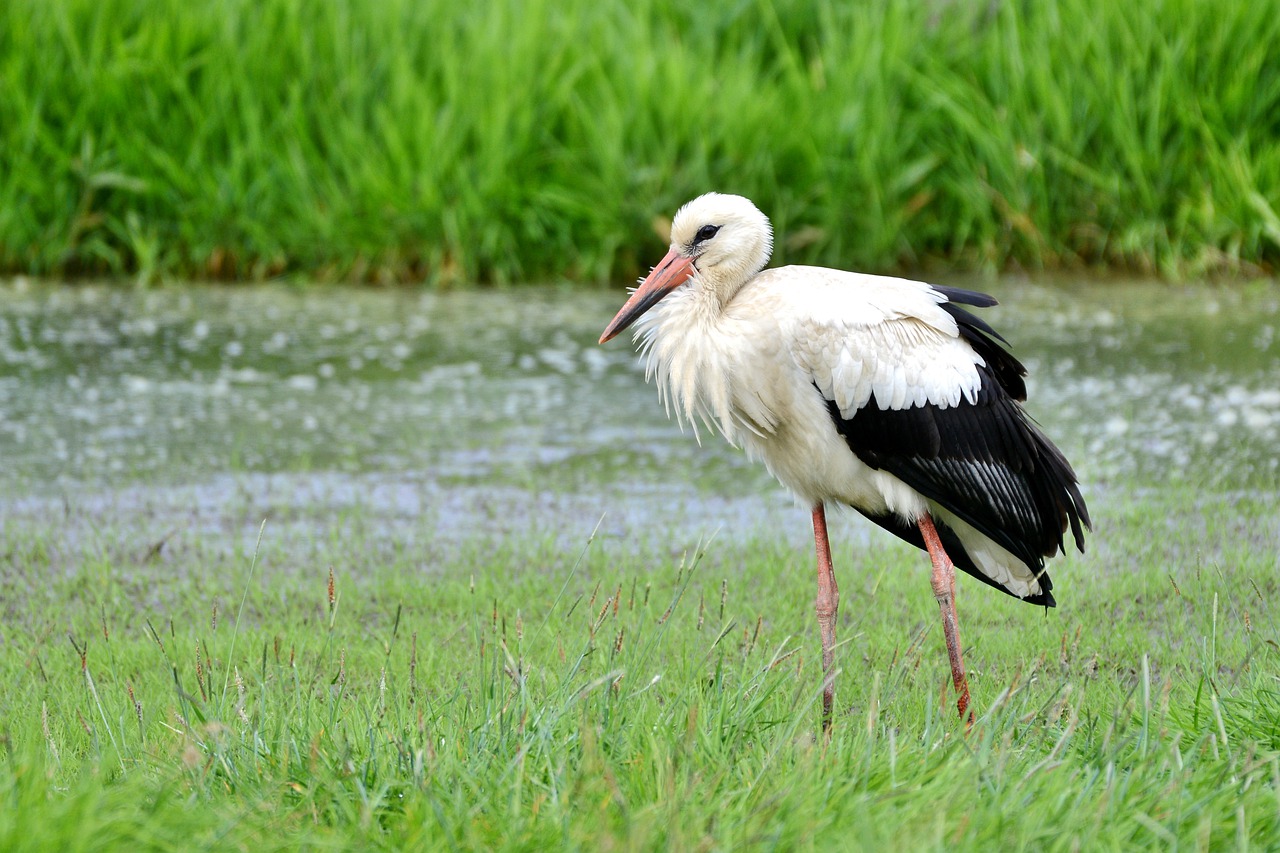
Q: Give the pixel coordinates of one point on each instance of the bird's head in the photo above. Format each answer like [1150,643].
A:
[718,241]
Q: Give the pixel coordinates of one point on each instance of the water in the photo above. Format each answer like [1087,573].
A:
[443,414]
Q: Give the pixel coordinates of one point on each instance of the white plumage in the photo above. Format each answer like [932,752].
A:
[851,334]
[877,393]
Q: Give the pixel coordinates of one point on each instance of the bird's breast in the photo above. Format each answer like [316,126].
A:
[716,367]
[734,372]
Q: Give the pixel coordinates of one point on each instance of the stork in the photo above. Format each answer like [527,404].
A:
[878,393]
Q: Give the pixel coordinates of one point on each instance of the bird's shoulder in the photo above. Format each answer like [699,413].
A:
[856,335]
[826,312]
[822,300]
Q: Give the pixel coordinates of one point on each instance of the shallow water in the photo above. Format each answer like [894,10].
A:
[437,413]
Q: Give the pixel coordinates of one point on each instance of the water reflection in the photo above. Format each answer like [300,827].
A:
[501,405]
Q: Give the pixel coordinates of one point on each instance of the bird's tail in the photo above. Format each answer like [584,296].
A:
[976,555]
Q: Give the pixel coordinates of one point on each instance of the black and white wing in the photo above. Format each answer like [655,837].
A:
[928,394]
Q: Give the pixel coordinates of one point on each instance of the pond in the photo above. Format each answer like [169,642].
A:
[445,414]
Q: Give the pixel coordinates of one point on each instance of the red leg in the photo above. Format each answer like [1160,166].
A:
[827,606]
[944,590]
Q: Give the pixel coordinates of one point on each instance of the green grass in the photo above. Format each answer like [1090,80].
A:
[529,140]
[638,695]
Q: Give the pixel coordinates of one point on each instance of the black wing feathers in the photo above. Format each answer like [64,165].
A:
[978,332]
[983,460]
[966,297]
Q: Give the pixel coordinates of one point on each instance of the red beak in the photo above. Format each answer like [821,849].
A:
[671,272]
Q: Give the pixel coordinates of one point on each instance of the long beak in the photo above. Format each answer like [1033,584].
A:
[671,272]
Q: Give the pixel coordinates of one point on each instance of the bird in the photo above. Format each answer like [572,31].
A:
[882,394]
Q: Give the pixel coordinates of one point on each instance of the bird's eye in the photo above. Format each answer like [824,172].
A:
[706,232]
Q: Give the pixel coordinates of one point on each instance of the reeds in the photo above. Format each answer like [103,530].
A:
[533,140]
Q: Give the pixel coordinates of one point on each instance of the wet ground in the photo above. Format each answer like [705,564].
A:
[434,415]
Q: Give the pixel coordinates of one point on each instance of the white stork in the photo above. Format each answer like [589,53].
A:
[880,393]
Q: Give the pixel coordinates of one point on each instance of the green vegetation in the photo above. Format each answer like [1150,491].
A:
[531,139]
[630,696]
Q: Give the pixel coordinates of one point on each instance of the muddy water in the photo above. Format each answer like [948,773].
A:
[437,414]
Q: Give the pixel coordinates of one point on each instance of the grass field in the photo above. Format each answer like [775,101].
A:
[515,694]
[534,140]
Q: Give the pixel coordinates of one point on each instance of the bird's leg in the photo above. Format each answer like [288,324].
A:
[944,590]
[827,606]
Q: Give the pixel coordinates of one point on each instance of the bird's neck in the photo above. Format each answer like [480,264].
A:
[721,284]
[690,312]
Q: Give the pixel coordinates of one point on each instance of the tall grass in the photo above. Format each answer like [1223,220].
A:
[531,139]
